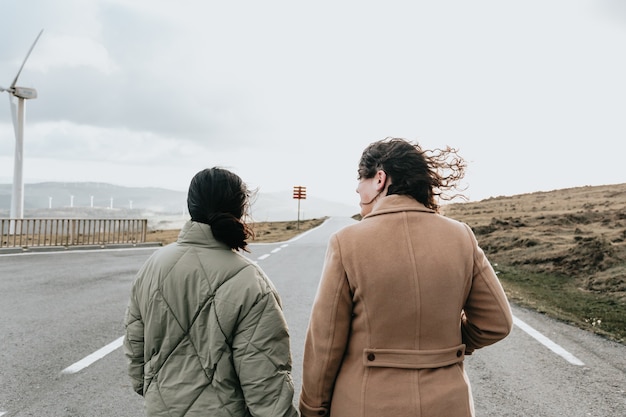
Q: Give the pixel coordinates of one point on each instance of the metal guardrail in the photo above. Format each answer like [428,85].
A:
[25,233]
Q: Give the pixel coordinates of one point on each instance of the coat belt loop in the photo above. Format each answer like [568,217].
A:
[413,359]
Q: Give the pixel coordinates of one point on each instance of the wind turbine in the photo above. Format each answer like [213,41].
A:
[21,94]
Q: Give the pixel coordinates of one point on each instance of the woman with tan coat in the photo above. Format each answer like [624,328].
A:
[405,294]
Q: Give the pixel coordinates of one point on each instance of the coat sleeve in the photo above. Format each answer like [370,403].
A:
[262,359]
[327,335]
[486,316]
[134,343]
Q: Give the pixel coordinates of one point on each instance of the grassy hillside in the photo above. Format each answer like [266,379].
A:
[561,252]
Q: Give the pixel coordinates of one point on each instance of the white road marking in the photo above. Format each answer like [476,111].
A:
[267,255]
[98,354]
[301,235]
[2,413]
[547,342]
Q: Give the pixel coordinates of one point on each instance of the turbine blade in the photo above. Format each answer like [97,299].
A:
[24,62]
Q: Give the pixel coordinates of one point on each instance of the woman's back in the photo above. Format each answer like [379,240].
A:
[400,280]
[414,281]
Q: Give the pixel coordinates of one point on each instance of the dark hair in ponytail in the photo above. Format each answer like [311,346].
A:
[220,198]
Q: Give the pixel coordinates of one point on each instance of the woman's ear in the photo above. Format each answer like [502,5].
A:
[381,180]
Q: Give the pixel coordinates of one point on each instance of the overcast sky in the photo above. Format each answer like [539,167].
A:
[284,93]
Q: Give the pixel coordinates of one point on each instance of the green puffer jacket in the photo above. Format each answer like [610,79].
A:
[205,333]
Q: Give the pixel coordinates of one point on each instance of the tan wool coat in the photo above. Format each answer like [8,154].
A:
[404,295]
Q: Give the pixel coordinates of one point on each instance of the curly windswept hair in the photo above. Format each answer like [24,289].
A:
[424,175]
[220,198]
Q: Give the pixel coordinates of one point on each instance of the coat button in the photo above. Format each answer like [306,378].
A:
[459,353]
[371,356]
[321,412]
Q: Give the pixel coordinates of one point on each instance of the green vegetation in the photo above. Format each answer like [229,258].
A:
[560,297]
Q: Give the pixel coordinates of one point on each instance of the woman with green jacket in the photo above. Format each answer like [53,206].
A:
[205,332]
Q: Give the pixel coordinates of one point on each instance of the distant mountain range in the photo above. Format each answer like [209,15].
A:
[90,199]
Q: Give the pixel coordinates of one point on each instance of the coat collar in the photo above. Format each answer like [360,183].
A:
[396,203]
[199,234]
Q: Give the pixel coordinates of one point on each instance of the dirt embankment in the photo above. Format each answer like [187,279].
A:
[577,232]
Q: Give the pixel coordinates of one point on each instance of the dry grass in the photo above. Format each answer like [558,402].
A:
[263,232]
[561,252]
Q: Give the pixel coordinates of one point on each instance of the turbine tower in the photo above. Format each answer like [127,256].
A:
[17,111]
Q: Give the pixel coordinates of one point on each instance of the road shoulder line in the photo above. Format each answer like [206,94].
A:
[547,342]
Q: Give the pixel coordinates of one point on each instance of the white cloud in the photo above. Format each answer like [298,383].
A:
[285,92]
[61,51]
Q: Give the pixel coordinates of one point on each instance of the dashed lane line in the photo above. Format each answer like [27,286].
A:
[267,255]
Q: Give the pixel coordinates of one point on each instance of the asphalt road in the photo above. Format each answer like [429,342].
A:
[61,319]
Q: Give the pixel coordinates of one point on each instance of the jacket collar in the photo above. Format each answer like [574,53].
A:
[396,203]
[199,234]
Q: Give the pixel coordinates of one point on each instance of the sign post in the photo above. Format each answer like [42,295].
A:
[299,193]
